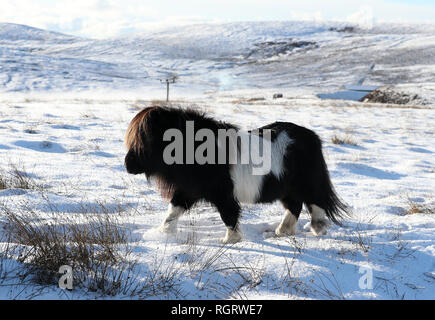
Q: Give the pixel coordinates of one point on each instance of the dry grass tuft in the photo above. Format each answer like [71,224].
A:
[3,182]
[31,130]
[249,100]
[88,115]
[18,179]
[95,246]
[91,248]
[414,207]
[347,139]
[157,102]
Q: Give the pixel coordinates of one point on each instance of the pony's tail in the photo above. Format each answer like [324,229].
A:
[306,162]
[334,207]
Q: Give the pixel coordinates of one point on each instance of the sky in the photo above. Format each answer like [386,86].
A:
[109,18]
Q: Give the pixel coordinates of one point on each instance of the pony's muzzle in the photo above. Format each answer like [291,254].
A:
[132,164]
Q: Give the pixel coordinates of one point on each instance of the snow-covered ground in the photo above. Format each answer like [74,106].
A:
[65,104]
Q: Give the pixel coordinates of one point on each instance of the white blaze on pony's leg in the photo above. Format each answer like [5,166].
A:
[287,226]
[319,221]
[169,225]
[232,236]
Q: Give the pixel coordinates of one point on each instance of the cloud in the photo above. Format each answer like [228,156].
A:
[108,18]
[363,17]
[307,16]
[90,18]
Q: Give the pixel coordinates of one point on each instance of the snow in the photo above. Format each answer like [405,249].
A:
[65,104]
[217,57]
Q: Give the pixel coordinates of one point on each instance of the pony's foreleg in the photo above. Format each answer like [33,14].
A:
[229,210]
[169,225]
[287,227]
[179,204]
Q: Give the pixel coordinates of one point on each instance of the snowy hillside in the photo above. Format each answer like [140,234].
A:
[307,56]
[65,103]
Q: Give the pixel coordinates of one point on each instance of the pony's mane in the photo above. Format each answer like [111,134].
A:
[137,126]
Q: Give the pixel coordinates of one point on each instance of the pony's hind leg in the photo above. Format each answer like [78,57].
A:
[319,220]
[179,204]
[287,227]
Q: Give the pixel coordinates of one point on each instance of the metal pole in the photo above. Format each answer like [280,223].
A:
[167,81]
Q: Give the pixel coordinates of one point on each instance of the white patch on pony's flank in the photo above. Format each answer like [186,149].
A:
[247,186]
[279,149]
[232,236]
[319,220]
[169,225]
[287,226]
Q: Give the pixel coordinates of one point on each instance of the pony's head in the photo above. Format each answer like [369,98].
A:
[145,141]
[139,141]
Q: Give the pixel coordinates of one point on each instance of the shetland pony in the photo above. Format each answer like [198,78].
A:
[298,173]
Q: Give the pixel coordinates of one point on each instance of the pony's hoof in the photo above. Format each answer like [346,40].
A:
[232,236]
[319,227]
[284,233]
[230,241]
[168,228]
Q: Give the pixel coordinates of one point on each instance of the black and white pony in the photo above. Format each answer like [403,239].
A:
[298,173]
